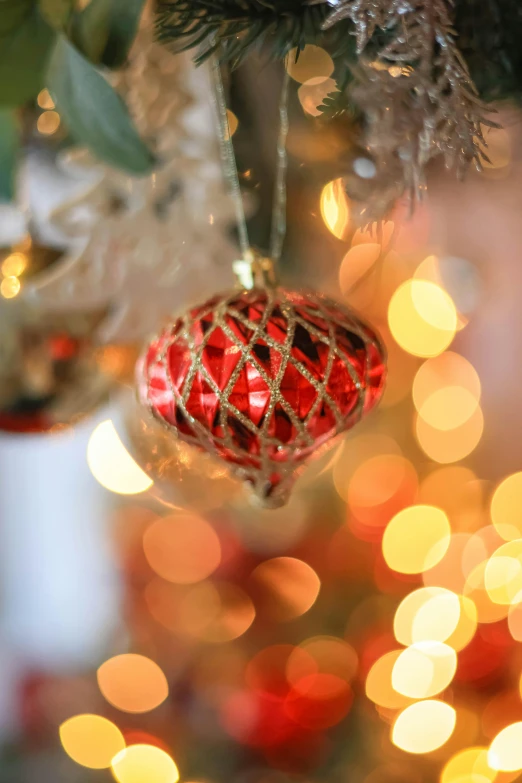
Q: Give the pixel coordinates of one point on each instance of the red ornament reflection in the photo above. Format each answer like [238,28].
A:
[263,380]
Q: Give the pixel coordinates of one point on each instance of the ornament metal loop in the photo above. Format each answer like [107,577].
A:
[256,271]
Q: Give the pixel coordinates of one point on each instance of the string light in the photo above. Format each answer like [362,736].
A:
[140,763]
[505,507]
[311,62]
[379,686]
[10,287]
[112,465]
[182,548]
[416,539]
[505,752]
[44,100]
[422,318]
[14,264]
[469,765]
[285,587]
[427,614]
[424,669]
[335,209]
[450,445]
[132,683]
[48,123]
[424,726]
[91,740]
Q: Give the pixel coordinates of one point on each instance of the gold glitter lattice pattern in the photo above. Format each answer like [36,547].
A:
[263,379]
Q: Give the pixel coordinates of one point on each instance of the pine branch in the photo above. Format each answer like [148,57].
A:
[236,27]
[336,104]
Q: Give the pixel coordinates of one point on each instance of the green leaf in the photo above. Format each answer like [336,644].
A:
[93,112]
[57,12]
[9,144]
[24,55]
[105,30]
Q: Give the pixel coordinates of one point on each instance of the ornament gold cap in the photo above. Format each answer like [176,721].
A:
[255,271]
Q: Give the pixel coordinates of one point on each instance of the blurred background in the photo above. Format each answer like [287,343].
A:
[154,624]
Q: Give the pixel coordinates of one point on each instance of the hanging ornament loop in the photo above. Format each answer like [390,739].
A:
[228,157]
[253,270]
[278,231]
[257,272]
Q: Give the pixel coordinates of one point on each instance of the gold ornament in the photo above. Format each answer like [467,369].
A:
[49,376]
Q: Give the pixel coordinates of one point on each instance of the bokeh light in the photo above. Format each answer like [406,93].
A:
[14,264]
[459,277]
[455,490]
[505,752]
[91,740]
[422,318]
[182,548]
[424,669]
[468,766]
[215,612]
[503,573]
[500,711]
[44,100]
[427,614]
[506,505]
[48,123]
[318,701]
[356,264]
[335,209]
[479,547]
[424,726]
[445,446]
[435,270]
[475,589]
[112,465]
[416,539]
[284,587]
[312,62]
[379,687]
[312,93]
[267,670]
[132,683]
[357,449]
[515,619]
[446,391]
[324,655]
[163,601]
[10,287]
[379,488]
[144,764]
[449,571]
[233,123]
[467,625]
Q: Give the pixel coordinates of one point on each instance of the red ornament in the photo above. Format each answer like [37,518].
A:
[263,378]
